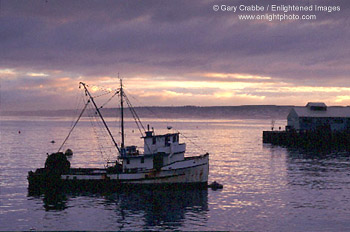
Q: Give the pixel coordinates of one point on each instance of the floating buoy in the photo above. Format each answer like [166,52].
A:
[215,185]
[52,141]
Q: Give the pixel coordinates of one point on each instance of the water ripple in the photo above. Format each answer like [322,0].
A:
[266,188]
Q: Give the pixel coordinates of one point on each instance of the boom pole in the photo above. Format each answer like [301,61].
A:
[99,113]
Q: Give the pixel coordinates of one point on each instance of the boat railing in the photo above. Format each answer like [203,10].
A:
[134,170]
[196,157]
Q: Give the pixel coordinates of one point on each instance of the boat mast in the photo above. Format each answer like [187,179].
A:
[122,112]
[99,113]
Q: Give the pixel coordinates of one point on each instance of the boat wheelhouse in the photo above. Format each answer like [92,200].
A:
[159,151]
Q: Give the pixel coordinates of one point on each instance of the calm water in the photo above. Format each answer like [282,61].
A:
[265,188]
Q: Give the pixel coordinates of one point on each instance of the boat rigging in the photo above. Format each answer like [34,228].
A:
[162,162]
[99,113]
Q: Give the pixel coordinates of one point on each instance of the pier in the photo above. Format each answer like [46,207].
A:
[315,140]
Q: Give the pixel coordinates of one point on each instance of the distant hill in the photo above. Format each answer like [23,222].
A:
[210,112]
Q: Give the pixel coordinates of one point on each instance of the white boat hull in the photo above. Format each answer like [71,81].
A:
[188,171]
[191,172]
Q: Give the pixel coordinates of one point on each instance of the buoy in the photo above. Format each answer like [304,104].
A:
[215,185]
[52,141]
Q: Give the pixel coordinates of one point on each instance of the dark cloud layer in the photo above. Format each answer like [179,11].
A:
[175,38]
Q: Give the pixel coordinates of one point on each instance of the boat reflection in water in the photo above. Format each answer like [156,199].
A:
[151,207]
[55,201]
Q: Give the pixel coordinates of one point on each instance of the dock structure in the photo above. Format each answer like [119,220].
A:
[314,126]
[315,140]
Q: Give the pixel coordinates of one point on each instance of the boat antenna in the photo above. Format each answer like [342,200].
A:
[99,113]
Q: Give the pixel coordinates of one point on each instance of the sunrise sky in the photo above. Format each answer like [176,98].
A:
[171,53]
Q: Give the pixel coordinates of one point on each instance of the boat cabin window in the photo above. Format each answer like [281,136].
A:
[167,139]
[154,140]
[174,138]
[142,160]
[307,120]
[127,161]
[131,150]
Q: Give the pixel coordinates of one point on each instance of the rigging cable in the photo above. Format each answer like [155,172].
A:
[76,122]
[97,127]
[109,99]
[102,94]
[156,115]
[135,116]
[93,126]
[102,128]
[99,113]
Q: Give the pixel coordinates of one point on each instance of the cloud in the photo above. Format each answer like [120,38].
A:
[37,74]
[171,43]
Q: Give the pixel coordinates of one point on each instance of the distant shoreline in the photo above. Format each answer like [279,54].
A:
[209,112]
[205,112]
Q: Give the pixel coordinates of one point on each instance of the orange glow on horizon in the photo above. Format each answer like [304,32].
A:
[236,76]
[212,89]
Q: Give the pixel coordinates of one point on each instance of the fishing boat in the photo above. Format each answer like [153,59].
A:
[162,163]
